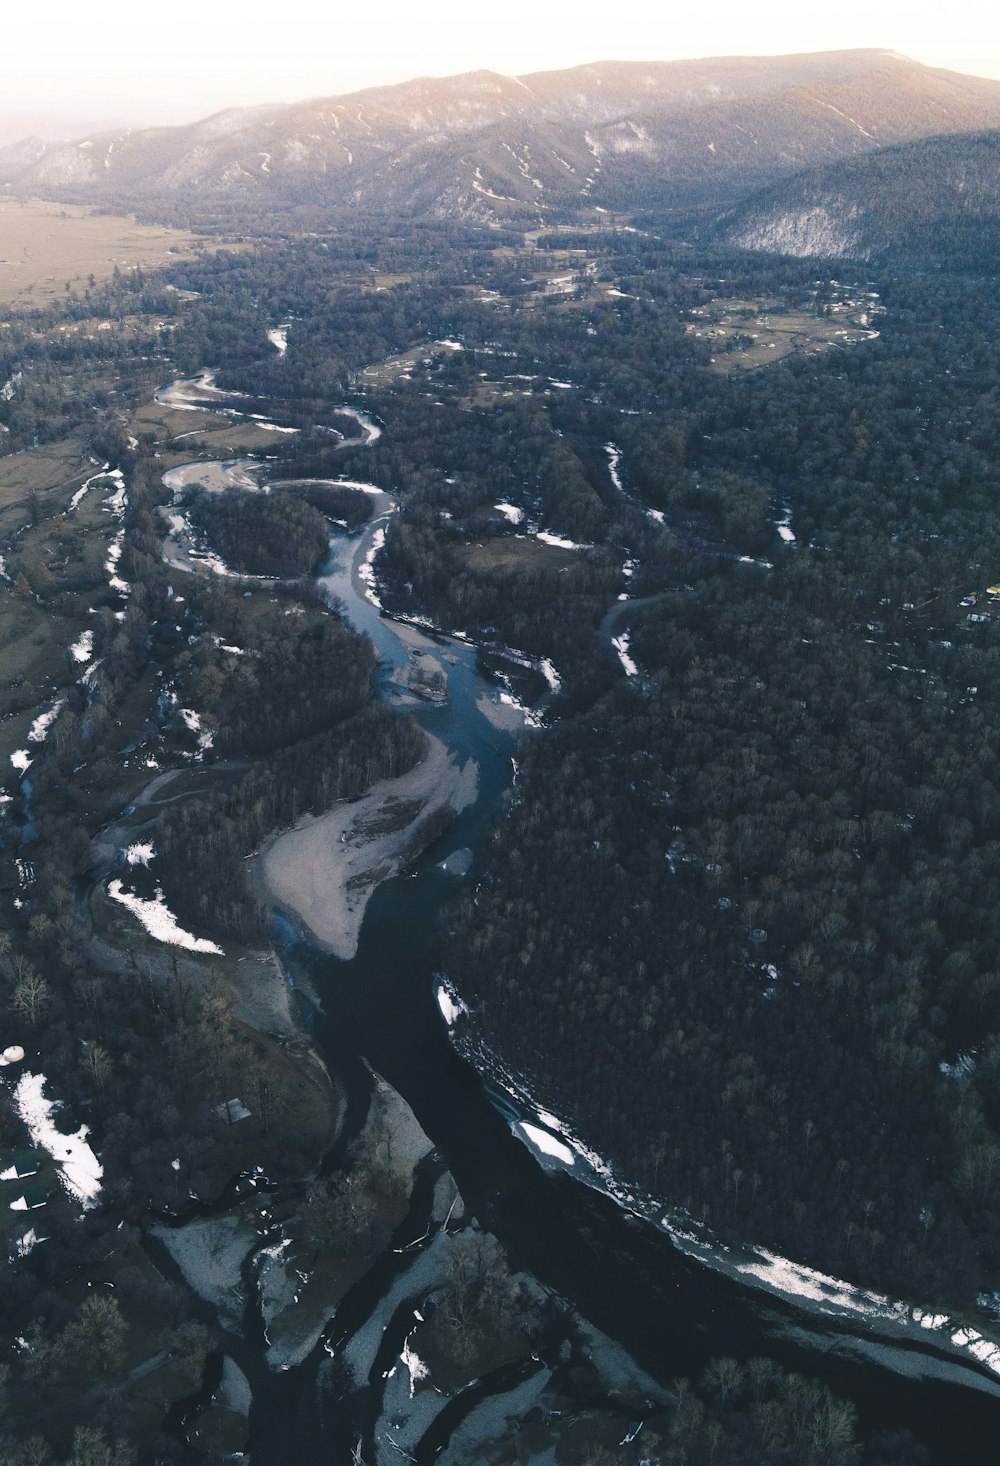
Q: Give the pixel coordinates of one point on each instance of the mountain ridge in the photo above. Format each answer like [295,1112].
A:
[544,146]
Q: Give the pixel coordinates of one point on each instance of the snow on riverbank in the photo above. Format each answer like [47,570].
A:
[346,483]
[184,549]
[105,471]
[621,646]
[366,570]
[890,1321]
[371,429]
[159,921]
[449,1002]
[116,505]
[614,459]
[544,1143]
[182,395]
[79,1168]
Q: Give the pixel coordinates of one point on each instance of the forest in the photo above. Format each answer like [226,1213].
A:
[737,922]
[792,814]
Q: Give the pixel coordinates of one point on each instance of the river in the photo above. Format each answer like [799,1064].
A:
[625,1276]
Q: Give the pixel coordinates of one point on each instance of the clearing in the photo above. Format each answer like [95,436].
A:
[753,333]
[44,246]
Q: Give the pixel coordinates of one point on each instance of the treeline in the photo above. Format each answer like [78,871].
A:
[351,507]
[261,534]
[201,846]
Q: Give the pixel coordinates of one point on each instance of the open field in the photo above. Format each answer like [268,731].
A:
[229,440]
[167,423]
[45,471]
[755,333]
[515,552]
[44,245]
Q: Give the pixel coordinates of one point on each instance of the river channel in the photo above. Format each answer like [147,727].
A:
[625,1276]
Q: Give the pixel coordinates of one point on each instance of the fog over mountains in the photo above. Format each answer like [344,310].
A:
[549,147]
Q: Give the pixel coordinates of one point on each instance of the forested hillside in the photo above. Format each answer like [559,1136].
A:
[935,202]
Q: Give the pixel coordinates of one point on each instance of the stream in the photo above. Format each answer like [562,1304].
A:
[671,1313]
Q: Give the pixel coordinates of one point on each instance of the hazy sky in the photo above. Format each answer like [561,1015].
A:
[71,65]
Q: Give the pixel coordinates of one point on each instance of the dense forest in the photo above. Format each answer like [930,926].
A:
[261,534]
[792,815]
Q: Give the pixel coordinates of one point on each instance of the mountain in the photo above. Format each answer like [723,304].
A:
[491,148]
[935,201]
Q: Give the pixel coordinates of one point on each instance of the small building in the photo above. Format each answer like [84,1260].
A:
[22,1165]
[35,1194]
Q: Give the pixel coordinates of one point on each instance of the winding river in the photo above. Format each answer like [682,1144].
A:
[625,1276]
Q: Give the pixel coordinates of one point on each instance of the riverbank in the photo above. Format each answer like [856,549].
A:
[324,870]
[898,1334]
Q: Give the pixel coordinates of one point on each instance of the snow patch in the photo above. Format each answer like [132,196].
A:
[38,731]
[621,646]
[159,921]
[366,570]
[558,541]
[510,512]
[416,1368]
[784,525]
[83,650]
[540,1140]
[80,1169]
[614,459]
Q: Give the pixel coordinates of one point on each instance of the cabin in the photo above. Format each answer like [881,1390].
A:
[35,1195]
[25,1164]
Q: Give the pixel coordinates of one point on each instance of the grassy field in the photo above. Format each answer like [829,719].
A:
[768,330]
[43,246]
[52,471]
[515,553]
[182,436]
